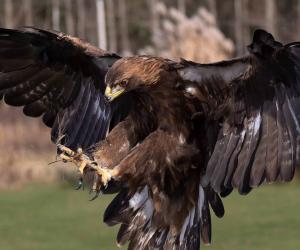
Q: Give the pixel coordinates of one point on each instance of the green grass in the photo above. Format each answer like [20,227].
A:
[56,217]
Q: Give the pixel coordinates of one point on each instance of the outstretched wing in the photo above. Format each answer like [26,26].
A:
[60,78]
[254,105]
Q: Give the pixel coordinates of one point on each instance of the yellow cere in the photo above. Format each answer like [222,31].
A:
[110,94]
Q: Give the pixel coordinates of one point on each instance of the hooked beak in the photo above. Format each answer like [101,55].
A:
[111,94]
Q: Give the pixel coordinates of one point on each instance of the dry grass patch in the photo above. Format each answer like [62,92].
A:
[25,150]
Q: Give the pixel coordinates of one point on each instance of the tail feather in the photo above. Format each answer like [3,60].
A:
[116,212]
[206,224]
[123,235]
[136,213]
[215,202]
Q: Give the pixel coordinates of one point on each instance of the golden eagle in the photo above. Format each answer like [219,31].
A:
[168,137]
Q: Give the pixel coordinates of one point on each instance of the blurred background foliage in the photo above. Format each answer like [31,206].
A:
[52,216]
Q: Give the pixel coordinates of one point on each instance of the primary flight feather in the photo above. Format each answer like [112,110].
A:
[168,137]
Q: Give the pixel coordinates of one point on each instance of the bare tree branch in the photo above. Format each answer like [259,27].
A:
[238,26]
[181,6]
[125,45]
[28,12]
[81,18]
[154,17]
[270,8]
[55,14]
[8,14]
[69,17]
[101,24]
[110,4]
[212,5]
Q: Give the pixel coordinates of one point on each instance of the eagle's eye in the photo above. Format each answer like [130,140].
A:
[123,83]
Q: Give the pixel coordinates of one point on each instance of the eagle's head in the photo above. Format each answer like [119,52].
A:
[133,73]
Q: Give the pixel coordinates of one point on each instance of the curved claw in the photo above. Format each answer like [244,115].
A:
[80,184]
[94,184]
[98,193]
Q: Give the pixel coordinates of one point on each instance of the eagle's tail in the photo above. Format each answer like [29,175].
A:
[135,213]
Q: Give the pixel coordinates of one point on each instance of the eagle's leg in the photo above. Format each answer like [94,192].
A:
[84,163]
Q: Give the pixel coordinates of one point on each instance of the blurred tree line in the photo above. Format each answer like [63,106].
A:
[125,26]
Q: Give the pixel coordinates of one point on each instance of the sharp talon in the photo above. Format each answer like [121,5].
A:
[98,193]
[80,184]
[95,183]
[82,166]
[105,175]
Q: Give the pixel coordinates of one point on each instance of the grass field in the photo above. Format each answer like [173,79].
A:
[57,217]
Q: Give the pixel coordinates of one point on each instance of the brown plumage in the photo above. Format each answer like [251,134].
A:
[166,169]
[169,137]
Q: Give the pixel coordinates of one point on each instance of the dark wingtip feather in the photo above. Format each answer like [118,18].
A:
[34,109]
[49,118]
[114,211]
[225,192]
[263,44]
[206,225]
[215,203]
[123,235]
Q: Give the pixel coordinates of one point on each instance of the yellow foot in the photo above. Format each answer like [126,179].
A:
[85,164]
